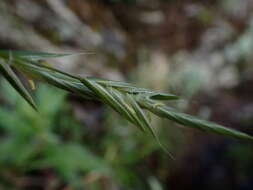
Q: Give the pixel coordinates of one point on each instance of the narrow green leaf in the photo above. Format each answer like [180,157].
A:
[193,122]
[129,88]
[141,115]
[7,72]
[55,77]
[105,96]
[122,86]
[143,118]
[33,55]
[127,108]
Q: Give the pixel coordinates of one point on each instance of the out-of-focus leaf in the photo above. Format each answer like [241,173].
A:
[7,72]
[162,96]
[33,55]
[154,184]
[76,158]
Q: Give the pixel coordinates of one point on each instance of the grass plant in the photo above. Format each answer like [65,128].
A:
[129,101]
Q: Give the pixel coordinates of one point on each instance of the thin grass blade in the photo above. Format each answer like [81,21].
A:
[107,98]
[11,77]
[193,122]
[129,88]
[141,115]
[128,109]
[32,55]
[148,126]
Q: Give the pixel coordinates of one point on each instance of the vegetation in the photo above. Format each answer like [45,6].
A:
[66,131]
[126,99]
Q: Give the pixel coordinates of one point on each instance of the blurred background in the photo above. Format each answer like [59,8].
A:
[199,50]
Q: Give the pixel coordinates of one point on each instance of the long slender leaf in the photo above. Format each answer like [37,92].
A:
[140,113]
[33,55]
[7,72]
[147,124]
[129,88]
[193,122]
[128,109]
[106,97]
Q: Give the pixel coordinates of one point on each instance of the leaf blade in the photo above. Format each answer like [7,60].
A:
[33,55]
[193,122]
[11,77]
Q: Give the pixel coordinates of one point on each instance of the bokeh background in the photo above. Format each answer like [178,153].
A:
[199,50]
